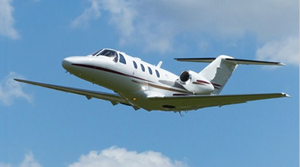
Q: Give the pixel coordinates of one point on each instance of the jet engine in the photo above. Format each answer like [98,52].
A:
[195,83]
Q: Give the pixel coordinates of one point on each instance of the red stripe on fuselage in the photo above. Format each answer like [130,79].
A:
[109,70]
[217,86]
[201,81]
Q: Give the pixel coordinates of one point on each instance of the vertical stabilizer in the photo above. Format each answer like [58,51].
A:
[218,72]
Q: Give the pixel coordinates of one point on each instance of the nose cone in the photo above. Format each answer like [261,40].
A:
[69,62]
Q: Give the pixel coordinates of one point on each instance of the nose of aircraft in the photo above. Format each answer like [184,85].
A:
[68,62]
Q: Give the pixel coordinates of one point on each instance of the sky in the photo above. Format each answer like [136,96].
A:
[42,127]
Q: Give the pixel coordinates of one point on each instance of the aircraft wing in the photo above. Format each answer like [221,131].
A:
[182,103]
[114,98]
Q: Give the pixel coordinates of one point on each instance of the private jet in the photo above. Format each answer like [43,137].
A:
[139,84]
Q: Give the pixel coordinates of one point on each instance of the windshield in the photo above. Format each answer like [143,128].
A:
[106,52]
[94,54]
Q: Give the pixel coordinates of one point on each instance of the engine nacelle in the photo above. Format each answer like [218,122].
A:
[195,83]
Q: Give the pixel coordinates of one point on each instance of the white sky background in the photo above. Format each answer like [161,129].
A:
[7,20]
[111,157]
[11,90]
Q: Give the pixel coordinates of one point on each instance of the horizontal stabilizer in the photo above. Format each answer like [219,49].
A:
[237,61]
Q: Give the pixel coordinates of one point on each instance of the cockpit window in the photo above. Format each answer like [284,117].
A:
[97,52]
[108,53]
[116,59]
[122,59]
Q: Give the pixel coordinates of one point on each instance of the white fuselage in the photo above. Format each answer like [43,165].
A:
[132,78]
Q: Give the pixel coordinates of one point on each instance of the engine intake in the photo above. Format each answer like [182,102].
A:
[184,76]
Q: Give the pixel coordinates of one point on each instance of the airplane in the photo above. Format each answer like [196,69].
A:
[141,85]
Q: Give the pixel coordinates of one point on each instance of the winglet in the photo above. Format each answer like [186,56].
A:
[286,95]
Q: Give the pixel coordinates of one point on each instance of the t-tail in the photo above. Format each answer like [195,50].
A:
[221,68]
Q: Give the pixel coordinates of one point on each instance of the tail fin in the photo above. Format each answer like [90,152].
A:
[218,72]
[221,68]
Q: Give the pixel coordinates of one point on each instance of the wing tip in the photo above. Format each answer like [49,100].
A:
[254,62]
[21,80]
[281,64]
[285,95]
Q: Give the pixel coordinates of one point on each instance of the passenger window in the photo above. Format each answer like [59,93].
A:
[143,68]
[150,71]
[122,59]
[134,64]
[157,73]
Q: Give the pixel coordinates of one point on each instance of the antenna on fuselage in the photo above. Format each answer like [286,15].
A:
[159,64]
